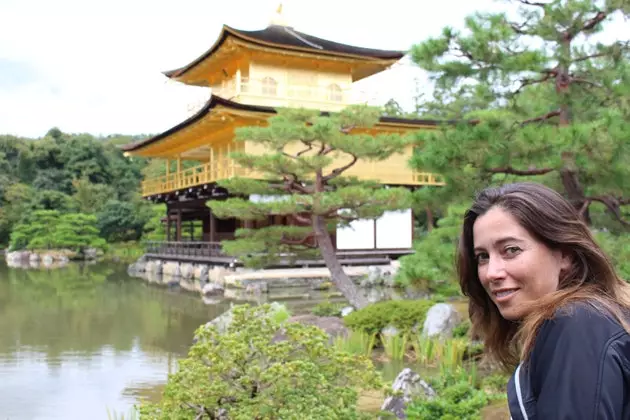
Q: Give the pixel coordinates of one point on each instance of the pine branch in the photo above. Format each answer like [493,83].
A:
[588,57]
[545,117]
[584,81]
[613,205]
[338,171]
[297,242]
[303,220]
[532,3]
[591,23]
[529,82]
[308,149]
[521,172]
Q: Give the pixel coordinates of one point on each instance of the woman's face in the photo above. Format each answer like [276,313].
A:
[514,268]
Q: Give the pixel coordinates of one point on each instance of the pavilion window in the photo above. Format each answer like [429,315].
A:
[335,93]
[269,86]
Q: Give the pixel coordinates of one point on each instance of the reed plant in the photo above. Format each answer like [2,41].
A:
[395,346]
[443,353]
[131,415]
[356,342]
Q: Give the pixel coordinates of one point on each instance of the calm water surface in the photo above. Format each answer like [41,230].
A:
[77,341]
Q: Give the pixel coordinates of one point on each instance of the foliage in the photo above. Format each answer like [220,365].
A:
[68,173]
[540,96]
[120,221]
[460,396]
[617,247]
[49,229]
[402,314]
[303,177]
[247,373]
[432,265]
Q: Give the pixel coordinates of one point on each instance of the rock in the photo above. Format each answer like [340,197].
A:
[47,260]
[203,273]
[407,386]
[332,325]
[34,257]
[441,319]
[217,275]
[212,289]
[256,287]
[91,253]
[187,271]
[223,321]
[390,331]
[322,284]
[346,311]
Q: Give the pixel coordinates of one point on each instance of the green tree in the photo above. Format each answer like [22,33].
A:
[301,182]
[262,369]
[545,100]
[122,221]
[49,229]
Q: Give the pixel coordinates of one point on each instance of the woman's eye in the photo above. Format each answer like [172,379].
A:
[512,250]
[482,257]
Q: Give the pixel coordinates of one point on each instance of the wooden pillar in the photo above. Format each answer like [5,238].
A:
[205,227]
[168,226]
[179,225]
[213,227]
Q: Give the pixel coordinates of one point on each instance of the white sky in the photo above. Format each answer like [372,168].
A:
[95,65]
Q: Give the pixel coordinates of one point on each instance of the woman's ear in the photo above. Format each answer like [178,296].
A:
[566,260]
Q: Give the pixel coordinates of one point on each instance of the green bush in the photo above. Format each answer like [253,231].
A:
[459,398]
[432,266]
[402,314]
[252,372]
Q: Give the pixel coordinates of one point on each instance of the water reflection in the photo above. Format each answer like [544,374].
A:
[74,340]
[78,340]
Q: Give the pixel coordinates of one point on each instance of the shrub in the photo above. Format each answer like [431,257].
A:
[251,371]
[459,398]
[433,263]
[402,314]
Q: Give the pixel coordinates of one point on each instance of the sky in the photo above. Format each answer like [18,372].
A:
[96,65]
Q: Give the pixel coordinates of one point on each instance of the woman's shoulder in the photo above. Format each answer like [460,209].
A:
[581,323]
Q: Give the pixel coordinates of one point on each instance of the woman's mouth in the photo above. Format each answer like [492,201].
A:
[502,295]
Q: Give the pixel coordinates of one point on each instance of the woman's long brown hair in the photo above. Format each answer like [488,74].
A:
[552,220]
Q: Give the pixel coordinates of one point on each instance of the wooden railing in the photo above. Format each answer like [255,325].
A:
[225,169]
[185,249]
[198,175]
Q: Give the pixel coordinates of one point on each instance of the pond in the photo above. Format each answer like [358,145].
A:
[80,340]
[77,341]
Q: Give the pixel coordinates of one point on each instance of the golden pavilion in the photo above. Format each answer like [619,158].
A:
[250,73]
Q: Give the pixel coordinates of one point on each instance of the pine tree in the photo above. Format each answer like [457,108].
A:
[540,97]
[302,175]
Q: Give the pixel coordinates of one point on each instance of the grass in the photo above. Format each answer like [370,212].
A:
[131,415]
[357,342]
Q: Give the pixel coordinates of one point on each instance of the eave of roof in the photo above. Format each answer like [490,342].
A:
[289,39]
[215,101]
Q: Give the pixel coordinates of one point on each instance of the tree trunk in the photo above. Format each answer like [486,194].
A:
[569,174]
[337,275]
[429,219]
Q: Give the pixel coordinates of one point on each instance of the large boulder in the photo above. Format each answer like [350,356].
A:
[407,387]
[441,320]
[332,325]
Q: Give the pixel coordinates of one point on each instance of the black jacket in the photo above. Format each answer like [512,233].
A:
[579,368]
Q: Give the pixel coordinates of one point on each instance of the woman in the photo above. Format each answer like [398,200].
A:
[542,293]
